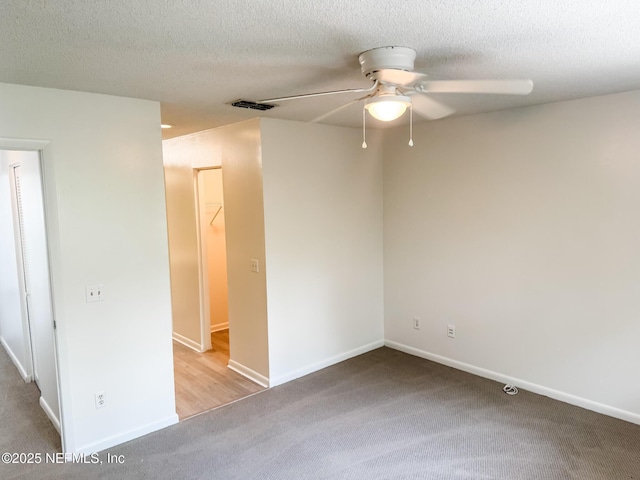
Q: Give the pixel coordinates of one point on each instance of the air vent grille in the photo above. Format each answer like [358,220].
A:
[252,105]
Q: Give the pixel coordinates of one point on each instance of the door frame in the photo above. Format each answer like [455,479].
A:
[203,281]
[44,150]
[205,301]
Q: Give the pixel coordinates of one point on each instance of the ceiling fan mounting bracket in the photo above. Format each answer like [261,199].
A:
[382,58]
[386,90]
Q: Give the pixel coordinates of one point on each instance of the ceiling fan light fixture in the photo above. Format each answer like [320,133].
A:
[387,107]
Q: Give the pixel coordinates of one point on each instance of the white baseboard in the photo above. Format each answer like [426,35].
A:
[250,374]
[532,387]
[126,436]
[52,416]
[219,326]
[187,342]
[287,377]
[23,373]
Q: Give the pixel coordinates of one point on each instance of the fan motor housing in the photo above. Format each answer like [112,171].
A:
[396,58]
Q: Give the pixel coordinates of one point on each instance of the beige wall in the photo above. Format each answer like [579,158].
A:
[315,197]
[323,219]
[216,248]
[242,177]
[183,247]
[181,156]
[521,228]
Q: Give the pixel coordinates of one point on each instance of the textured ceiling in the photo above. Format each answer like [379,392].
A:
[194,56]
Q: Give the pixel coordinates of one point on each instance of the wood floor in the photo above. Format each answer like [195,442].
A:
[203,380]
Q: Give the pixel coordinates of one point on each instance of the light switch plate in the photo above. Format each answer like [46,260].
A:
[255,266]
[94,293]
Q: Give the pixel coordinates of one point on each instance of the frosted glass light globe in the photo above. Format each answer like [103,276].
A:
[387,108]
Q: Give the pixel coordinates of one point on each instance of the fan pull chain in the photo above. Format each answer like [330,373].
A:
[364,128]
[411,124]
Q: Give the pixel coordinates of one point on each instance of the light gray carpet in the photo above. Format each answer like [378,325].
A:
[23,423]
[382,415]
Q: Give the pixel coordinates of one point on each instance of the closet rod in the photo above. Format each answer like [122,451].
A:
[214,217]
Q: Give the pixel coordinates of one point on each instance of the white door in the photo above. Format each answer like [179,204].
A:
[23,273]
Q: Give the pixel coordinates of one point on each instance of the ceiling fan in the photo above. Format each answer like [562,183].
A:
[396,88]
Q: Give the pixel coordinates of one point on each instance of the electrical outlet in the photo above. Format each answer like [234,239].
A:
[416,323]
[101,400]
[94,293]
[451,331]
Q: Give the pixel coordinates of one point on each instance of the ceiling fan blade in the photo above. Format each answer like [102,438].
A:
[399,77]
[428,107]
[320,94]
[336,110]
[499,87]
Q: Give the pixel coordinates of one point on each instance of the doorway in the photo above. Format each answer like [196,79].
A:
[203,379]
[213,250]
[26,313]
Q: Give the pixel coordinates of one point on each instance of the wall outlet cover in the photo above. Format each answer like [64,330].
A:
[451,331]
[101,400]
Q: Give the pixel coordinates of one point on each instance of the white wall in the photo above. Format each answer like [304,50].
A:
[323,221]
[521,228]
[12,334]
[105,207]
